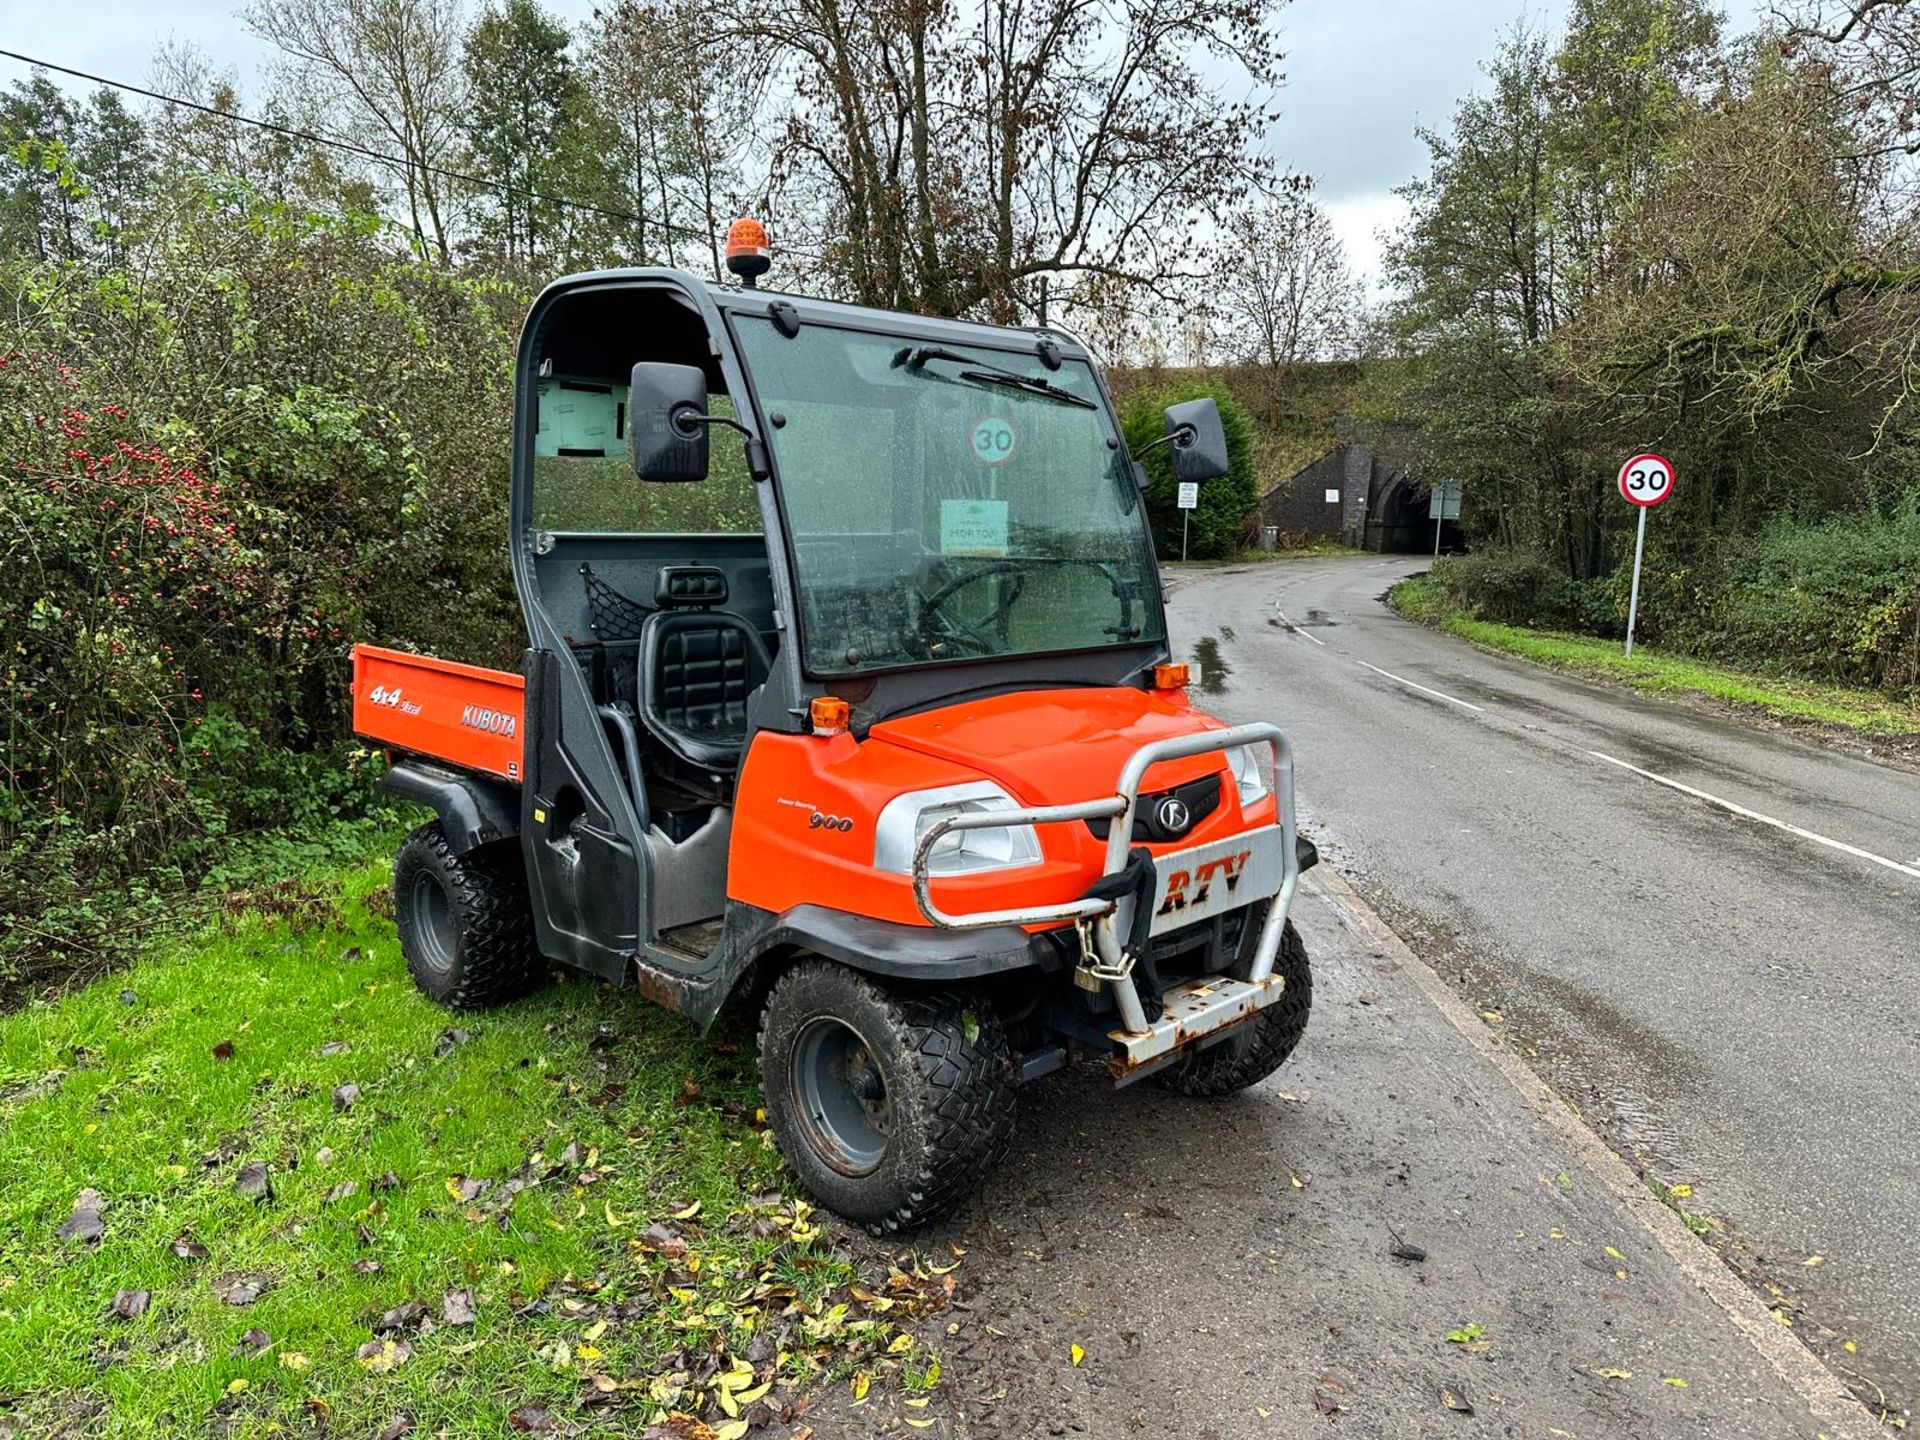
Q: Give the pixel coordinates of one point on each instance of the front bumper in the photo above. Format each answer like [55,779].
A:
[1259,863]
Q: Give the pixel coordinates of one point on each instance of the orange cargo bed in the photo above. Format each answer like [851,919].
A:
[462,714]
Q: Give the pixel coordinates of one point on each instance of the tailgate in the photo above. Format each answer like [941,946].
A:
[463,714]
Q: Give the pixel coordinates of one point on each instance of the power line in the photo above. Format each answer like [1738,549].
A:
[397,162]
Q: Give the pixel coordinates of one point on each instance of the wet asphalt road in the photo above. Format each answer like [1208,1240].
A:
[1732,1005]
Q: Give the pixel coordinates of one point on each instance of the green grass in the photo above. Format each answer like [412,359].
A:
[122,1088]
[1658,673]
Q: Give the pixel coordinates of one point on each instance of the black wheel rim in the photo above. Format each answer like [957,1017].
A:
[841,1096]
[435,935]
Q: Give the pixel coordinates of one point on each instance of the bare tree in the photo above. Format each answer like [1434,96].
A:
[957,155]
[683,108]
[392,67]
[1284,290]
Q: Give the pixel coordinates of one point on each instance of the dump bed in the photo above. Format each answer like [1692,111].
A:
[462,714]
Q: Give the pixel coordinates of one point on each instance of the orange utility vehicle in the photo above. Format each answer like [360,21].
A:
[847,702]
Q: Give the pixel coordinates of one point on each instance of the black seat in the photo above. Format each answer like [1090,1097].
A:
[699,665]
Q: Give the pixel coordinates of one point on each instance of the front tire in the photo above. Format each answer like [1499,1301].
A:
[890,1104]
[465,925]
[1259,1047]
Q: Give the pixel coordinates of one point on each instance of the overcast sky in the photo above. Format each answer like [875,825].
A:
[1361,75]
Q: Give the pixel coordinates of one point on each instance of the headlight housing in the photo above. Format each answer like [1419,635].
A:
[1247,778]
[907,818]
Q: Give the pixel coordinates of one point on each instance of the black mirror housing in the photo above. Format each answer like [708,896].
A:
[667,422]
[1199,448]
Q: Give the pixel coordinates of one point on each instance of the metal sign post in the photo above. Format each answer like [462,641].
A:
[1644,481]
[1187,499]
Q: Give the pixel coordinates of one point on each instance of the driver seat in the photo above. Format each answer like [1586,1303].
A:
[699,665]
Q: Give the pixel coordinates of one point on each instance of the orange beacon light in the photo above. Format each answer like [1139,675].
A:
[748,254]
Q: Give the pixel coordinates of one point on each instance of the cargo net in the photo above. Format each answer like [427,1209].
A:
[611,615]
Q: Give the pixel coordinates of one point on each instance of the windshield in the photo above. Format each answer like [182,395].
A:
[948,503]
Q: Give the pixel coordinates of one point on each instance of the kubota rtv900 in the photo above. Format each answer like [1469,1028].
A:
[847,700]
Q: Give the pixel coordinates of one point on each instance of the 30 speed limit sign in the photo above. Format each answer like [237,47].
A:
[1646,479]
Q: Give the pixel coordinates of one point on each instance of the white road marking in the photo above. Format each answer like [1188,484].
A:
[1413,685]
[1742,810]
[1296,629]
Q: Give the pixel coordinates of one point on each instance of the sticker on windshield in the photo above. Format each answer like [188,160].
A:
[994,441]
[973,527]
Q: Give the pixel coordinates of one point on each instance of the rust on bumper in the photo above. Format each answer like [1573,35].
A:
[1193,1011]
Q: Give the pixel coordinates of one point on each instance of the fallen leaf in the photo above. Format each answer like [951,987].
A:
[450,1041]
[366,1267]
[1326,1404]
[456,1307]
[861,1381]
[333,1048]
[405,1316]
[465,1188]
[1465,1333]
[397,1428]
[1814,1260]
[130,1304]
[1674,1380]
[386,1180]
[1611,1374]
[1076,1354]
[341,1192]
[381,1356]
[253,1183]
[85,1223]
[664,1240]
[240,1287]
[1455,1400]
[1401,1250]
[970,1027]
[344,1097]
[530,1418]
[1682,1192]
[690,1093]
[185,1247]
[688,1213]
[293,1360]
[253,1341]
[320,1409]
[235,1387]
[224,1050]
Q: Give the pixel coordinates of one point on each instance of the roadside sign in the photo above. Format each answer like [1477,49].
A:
[1189,495]
[1443,503]
[1646,480]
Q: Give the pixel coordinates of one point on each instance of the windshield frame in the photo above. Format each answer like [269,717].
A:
[994,346]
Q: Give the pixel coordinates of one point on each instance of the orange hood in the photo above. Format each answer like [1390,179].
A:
[1053,747]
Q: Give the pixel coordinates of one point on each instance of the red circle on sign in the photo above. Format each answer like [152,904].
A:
[1640,476]
[993,439]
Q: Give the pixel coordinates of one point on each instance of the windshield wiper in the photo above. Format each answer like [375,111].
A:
[983,373]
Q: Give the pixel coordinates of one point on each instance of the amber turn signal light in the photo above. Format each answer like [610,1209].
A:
[830,715]
[1169,677]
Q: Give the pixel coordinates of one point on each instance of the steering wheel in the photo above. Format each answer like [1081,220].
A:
[939,627]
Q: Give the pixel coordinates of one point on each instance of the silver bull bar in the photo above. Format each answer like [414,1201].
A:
[1211,1006]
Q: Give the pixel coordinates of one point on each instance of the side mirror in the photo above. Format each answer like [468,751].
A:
[667,422]
[1199,440]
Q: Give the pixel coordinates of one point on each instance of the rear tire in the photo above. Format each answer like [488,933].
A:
[1262,1045]
[465,926]
[890,1104]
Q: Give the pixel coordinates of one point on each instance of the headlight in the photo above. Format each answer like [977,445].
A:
[1246,774]
[907,818]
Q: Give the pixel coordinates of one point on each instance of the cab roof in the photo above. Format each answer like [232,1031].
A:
[810,310]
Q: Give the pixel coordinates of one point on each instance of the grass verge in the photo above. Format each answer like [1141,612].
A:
[255,1184]
[1656,673]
